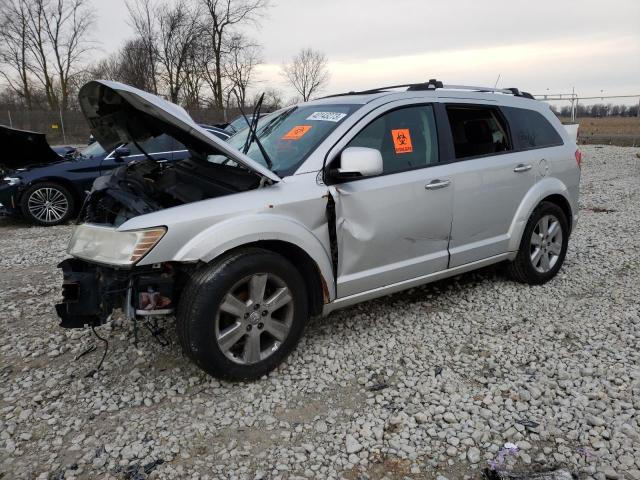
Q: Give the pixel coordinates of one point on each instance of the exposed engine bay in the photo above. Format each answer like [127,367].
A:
[148,186]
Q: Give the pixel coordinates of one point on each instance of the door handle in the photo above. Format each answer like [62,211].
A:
[522,168]
[437,184]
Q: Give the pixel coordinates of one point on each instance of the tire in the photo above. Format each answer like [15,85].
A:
[47,204]
[540,257]
[218,319]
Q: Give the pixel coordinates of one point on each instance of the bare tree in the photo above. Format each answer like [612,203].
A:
[168,34]
[307,73]
[136,67]
[142,14]
[223,15]
[58,37]
[179,29]
[194,80]
[14,49]
[273,99]
[241,61]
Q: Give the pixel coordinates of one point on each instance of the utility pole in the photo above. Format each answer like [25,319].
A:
[64,136]
[10,121]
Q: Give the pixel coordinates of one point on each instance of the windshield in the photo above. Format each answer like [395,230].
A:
[290,135]
[93,150]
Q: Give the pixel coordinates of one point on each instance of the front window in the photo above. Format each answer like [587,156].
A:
[406,138]
[290,135]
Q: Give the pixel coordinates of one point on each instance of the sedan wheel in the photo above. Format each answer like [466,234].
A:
[47,204]
[254,318]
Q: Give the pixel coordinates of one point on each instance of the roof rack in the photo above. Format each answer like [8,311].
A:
[434,84]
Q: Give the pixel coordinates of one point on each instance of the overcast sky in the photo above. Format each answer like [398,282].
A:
[535,46]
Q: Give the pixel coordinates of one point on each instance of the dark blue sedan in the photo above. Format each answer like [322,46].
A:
[51,187]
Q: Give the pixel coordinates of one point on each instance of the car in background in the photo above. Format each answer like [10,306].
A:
[47,189]
[239,124]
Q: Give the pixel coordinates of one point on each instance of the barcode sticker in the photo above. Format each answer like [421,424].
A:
[327,116]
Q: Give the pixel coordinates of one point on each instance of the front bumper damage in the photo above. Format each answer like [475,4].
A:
[91,292]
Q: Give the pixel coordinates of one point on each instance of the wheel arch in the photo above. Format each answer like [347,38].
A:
[549,189]
[66,183]
[317,288]
[564,205]
[276,233]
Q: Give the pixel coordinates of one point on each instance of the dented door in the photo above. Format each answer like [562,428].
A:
[391,228]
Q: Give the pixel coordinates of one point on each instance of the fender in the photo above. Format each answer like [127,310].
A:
[235,232]
[542,189]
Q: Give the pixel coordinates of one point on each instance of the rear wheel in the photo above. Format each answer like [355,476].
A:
[543,246]
[47,204]
[241,316]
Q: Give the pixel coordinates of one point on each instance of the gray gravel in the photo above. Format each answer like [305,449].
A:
[430,383]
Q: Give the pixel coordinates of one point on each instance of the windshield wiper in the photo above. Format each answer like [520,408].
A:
[253,131]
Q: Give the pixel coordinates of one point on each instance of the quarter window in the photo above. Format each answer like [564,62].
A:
[530,129]
[406,138]
[477,131]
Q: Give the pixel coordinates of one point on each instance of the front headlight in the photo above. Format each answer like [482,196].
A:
[110,246]
[12,180]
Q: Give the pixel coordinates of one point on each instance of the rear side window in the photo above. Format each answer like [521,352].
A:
[530,129]
[477,131]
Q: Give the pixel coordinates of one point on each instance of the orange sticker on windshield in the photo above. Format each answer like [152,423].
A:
[296,133]
[402,140]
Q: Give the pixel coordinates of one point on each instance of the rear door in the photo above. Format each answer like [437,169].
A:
[395,226]
[489,179]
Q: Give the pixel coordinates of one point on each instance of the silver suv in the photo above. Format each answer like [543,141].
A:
[317,207]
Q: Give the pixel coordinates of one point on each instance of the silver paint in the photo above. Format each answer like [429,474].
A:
[393,231]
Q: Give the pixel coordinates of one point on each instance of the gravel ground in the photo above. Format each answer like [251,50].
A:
[428,383]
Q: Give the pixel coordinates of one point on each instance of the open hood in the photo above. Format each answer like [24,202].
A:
[118,113]
[21,149]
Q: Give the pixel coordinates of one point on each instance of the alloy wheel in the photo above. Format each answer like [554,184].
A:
[254,318]
[546,244]
[48,204]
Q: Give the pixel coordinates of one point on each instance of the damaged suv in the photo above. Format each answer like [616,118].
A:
[319,206]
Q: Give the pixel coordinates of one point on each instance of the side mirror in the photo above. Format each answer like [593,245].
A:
[121,152]
[358,162]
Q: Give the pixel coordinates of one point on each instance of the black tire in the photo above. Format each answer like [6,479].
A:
[199,312]
[37,194]
[522,268]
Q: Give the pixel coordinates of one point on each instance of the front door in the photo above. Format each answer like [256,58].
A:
[395,226]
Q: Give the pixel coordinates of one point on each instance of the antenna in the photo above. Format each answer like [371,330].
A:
[497,80]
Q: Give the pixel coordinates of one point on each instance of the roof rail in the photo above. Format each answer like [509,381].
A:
[434,84]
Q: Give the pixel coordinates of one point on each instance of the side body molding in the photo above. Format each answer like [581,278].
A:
[235,232]
[542,189]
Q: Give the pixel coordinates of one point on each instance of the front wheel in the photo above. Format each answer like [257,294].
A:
[241,316]
[47,204]
[543,246]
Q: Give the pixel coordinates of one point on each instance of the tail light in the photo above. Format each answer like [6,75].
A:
[579,158]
